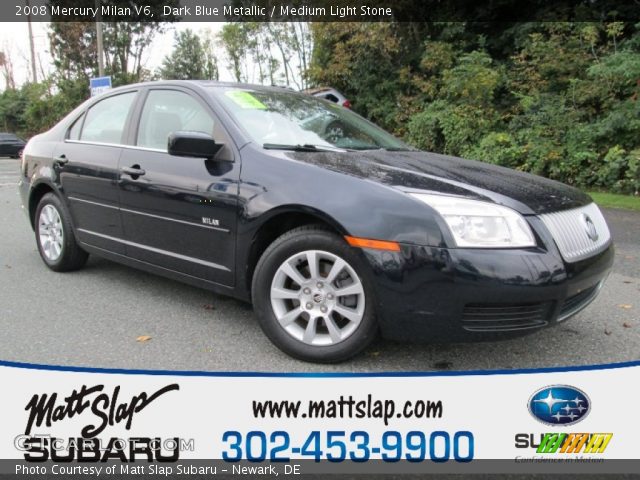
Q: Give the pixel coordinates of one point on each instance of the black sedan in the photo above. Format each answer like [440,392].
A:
[333,228]
[11,145]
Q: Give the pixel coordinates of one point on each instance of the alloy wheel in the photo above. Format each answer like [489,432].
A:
[317,298]
[50,233]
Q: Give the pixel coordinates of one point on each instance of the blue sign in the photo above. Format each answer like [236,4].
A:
[559,405]
[99,85]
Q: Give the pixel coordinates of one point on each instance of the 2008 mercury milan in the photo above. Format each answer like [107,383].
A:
[333,228]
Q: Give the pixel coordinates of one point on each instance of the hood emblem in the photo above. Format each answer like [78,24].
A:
[589,227]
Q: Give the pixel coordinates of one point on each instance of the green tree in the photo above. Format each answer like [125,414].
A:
[191,58]
[32,108]
[73,47]
[275,53]
[234,39]
[12,106]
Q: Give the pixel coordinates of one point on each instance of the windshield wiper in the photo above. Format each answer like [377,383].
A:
[307,147]
[371,148]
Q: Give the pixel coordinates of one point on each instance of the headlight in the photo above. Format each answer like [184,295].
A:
[480,224]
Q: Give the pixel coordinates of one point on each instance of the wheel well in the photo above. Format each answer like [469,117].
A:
[34,199]
[275,227]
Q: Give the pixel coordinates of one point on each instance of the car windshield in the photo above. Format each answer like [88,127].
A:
[289,120]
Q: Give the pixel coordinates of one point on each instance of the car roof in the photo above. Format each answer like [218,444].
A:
[205,84]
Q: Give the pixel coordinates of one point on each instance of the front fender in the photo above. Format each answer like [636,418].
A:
[359,207]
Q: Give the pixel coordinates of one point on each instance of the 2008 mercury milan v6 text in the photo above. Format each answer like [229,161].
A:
[333,228]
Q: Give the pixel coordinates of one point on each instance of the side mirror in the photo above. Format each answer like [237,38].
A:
[192,144]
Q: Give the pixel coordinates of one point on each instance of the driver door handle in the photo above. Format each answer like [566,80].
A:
[134,171]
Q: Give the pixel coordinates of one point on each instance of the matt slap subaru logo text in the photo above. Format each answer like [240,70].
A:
[559,405]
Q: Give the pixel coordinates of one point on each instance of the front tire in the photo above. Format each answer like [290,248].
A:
[54,235]
[313,297]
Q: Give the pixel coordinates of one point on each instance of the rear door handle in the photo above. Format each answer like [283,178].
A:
[134,171]
[61,160]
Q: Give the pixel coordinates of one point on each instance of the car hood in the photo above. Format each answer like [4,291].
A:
[528,194]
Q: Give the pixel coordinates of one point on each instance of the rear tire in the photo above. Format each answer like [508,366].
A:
[54,236]
[313,296]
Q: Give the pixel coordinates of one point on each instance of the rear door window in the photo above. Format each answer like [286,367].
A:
[105,121]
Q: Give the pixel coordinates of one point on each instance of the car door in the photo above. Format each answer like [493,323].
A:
[88,162]
[179,212]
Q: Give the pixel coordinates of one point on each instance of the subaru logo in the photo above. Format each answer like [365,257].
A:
[559,405]
[589,227]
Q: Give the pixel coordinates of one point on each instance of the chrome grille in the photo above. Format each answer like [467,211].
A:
[570,230]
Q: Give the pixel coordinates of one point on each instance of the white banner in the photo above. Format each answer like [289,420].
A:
[580,416]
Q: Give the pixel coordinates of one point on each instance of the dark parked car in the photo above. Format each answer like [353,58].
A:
[11,145]
[242,190]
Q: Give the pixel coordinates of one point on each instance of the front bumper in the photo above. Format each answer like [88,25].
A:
[441,295]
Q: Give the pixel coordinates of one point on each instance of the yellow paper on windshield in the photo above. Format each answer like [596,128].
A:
[245,100]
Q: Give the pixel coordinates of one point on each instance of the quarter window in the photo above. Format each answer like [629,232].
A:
[167,111]
[105,121]
[74,131]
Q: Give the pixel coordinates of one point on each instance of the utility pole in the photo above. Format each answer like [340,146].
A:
[99,39]
[34,73]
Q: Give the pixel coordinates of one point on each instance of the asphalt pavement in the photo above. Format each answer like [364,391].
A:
[95,316]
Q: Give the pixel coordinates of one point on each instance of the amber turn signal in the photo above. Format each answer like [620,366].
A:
[375,244]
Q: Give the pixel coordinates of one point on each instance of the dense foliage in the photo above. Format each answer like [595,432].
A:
[556,99]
